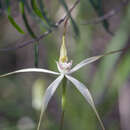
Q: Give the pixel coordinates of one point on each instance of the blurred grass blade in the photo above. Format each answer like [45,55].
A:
[87,95]
[39,13]
[36,50]
[97,5]
[122,74]
[106,67]
[1,8]
[32,13]
[93,4]
[44,13]
[10,18]
[15,25]
[26,4]
[101,12]
[75,27]
[26,21]
[0,4]
[36,9]
[118,80]
[48,95]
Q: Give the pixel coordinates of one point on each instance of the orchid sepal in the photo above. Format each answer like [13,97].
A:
[39,70]
[48,95]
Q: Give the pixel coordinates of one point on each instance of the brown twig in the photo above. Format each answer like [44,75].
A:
[44,34]
[107,15]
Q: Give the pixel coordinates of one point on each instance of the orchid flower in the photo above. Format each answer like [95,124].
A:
[65,71]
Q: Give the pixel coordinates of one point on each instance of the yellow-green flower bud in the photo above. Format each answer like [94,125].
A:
[63,52]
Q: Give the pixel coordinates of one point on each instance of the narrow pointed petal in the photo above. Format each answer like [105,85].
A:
[30,70]
[87,95]
[48,95]
[92,59]
[84,62]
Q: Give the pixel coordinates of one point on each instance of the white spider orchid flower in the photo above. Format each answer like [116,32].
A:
[65,71]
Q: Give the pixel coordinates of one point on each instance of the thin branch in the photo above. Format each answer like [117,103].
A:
[108,15]
[44,34]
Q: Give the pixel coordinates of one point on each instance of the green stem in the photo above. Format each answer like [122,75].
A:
[63,102]
[36,54]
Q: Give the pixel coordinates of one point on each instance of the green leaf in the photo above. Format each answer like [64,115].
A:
[33,15]
[16,26]
[40,14]
[36,9]
[10,18]
[75,27]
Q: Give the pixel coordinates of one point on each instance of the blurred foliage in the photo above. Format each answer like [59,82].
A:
[98,6]
[75,27]
[104,78]
[12,21]
[32,34]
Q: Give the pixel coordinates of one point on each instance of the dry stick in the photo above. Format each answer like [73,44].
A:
[44,34]
[108,15]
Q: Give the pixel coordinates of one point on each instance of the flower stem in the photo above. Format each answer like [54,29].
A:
[36,54]
[63,102]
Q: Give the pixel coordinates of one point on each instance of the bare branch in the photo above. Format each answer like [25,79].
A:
[108,15]
[44,34]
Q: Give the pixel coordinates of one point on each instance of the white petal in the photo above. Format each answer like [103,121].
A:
[30,70]
[48,94]
[87,95]
[84,62]
[91,59]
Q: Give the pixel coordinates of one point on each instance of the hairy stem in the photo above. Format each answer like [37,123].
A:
[63,102]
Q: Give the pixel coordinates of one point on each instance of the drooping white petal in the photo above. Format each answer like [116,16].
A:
[87,95]
[84,62]
[31,70]
[48,94]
